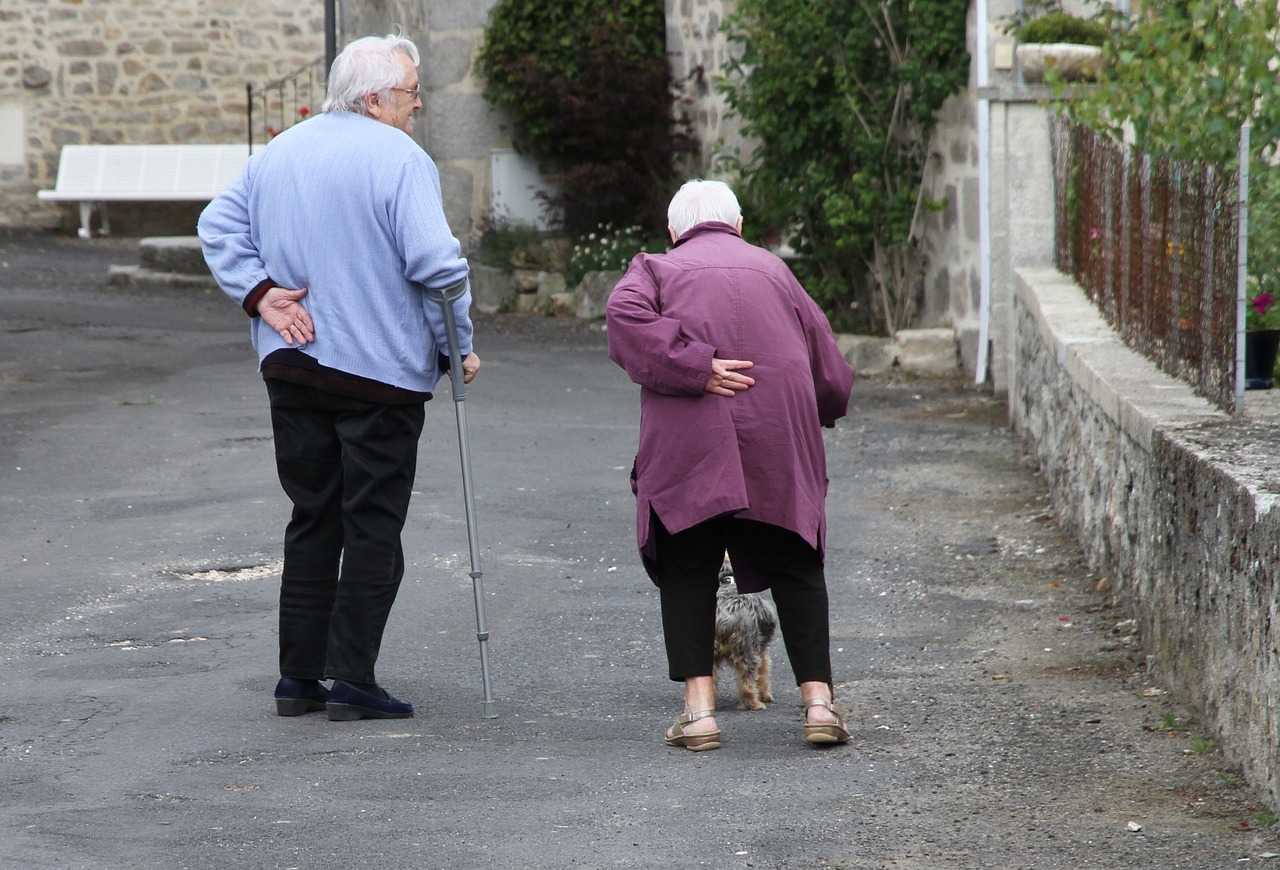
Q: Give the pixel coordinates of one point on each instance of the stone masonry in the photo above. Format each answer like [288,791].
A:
[1171,499]
[699,52]
[457,126]
[132,72]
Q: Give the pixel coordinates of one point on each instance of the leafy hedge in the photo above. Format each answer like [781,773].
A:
[588,88]
[841,98]
[1061,27]
[1185,75]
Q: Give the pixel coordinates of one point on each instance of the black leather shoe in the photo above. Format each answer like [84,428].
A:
[347,703]
[295,697]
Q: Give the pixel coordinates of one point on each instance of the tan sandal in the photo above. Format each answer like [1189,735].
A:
[824,733]
[675,735]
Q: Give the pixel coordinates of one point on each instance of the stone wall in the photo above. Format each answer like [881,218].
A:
[133,72]
[698,53]
[457,126]
[1172,500]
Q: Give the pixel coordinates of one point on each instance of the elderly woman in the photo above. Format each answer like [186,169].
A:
[739,371]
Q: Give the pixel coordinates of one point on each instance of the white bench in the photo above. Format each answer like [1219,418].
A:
[94,175]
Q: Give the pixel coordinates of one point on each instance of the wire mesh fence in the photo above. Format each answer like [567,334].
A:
[1153,242]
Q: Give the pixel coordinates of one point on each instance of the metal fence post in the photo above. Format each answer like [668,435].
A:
[1242,263]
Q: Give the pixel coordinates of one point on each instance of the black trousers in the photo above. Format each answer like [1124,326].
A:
[348,466]
[689,569]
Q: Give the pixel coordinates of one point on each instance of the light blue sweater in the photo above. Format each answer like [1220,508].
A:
[349,208]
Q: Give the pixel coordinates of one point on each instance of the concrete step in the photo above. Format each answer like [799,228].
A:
[920,351]
[140,278]
[176,254]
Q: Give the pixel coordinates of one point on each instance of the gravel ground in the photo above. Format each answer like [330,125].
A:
[1002,713]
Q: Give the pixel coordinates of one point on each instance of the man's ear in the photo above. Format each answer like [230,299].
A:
[372,105]
[738,225]
[672,233]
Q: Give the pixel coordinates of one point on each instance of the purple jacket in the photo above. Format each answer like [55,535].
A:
[758,455]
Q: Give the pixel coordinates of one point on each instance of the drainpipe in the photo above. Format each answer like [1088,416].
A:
[330,36]
[984,198]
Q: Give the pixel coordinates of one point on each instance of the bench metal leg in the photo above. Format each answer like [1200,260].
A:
[86,214]
[106,218]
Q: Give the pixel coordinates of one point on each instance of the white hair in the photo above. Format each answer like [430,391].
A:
[367,66]
[699,201]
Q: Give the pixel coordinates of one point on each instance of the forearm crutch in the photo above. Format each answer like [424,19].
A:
[445,298]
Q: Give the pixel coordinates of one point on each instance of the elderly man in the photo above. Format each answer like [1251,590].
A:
[739,371]
[329,241]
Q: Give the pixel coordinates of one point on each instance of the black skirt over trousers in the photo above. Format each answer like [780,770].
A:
[688,569]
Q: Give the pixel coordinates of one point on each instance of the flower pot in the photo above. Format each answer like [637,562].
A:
[1072,61]
[1260,348]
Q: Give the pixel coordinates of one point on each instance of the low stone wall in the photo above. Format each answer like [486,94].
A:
[1172,499]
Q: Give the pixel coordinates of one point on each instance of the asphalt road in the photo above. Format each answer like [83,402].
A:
[999,721]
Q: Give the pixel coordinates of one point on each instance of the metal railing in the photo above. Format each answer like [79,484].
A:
[278,105]
[1154,243]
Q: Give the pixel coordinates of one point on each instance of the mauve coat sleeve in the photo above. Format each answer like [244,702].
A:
[653,350]
[832,375]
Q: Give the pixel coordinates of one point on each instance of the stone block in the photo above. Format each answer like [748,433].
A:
[526,303]
[452,15]
[181,254]
[967,339]
[549,284]
[526,280]
[461,126]
[446,62]
[491,288]
[927,351]
[562,305]
[457,187]
[868,354]
[593,293]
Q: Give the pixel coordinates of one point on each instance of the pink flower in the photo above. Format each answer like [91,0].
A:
[1261,303]
[304,111]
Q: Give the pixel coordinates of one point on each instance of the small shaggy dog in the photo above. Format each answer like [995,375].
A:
[745,626]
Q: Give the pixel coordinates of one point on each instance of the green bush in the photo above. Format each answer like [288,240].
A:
[1185,75]
[609,248]
[1061,27]
[841,99]
[588,89]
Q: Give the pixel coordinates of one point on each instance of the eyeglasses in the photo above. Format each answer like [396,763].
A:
[414,92]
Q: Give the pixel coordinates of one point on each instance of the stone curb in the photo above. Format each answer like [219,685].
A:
[139,278]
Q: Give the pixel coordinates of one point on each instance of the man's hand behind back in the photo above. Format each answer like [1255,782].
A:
[280,309]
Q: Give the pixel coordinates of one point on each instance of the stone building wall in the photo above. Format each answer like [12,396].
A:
[699,52]
[132,72]
[457,126]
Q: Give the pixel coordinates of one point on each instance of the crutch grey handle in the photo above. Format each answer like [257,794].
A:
[445,297]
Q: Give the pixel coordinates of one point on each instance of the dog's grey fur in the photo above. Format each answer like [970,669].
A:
[745,626]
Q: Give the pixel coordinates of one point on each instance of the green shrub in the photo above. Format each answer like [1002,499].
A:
[841,99]
[609,248]
[588,89]
[499,242]
[1061,27]
[1185,76]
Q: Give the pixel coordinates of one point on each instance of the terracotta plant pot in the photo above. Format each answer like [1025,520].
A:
[1260,348]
